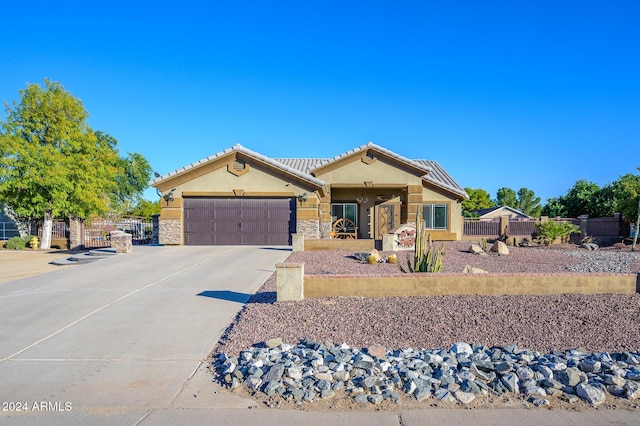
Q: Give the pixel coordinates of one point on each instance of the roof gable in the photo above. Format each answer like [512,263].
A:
[308,169]
[192,168]
[485,212]
[361,151]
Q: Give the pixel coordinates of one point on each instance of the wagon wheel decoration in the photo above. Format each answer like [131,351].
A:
[344,228]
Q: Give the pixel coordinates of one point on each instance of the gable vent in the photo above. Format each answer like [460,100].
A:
[368,158]
[239,165]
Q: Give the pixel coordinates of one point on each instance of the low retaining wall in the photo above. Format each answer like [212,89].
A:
[402,285]
[338,244]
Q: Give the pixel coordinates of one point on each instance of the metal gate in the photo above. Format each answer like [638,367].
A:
[96,232]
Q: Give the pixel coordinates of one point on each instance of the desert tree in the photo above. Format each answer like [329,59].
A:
[52,164]
[478,199]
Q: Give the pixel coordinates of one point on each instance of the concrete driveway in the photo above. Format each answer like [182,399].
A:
[121,337]
[124,341]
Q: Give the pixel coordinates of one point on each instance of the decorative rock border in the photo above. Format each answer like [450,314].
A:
[311,371]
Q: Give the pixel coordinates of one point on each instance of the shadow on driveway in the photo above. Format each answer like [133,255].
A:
[234,296]
[231,296]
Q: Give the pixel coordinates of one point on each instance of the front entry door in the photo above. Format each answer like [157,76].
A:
[387,217]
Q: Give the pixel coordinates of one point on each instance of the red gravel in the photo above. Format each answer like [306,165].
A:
[594,322]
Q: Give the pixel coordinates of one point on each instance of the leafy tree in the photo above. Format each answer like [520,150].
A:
[604,202]
[579,197]
[627,194]
[478,199]
[528,203]
[133,178]
[52,164]
[588,198]
[145,208]
[524,200]
[507,197]
[555,207]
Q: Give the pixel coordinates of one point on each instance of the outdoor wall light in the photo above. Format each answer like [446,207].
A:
[302,197]
[168,197]
[362,200]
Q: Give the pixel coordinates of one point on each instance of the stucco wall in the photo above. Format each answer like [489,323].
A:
[403,285]
[430,196]
[379,172]
[255,180]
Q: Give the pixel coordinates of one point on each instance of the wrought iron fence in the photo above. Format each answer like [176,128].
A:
[59,230]
[97,232]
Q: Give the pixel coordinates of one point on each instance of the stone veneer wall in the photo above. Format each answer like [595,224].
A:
[325,229]
[170,231]
[155,237]
[308,228]
[75,233]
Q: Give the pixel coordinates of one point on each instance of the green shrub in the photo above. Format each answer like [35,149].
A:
[15,243]
[549,231]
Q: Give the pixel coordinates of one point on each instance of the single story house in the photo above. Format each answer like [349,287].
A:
[501,211]
[9,226]
[239,196]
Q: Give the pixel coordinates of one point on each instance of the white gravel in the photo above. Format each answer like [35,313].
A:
[544,323]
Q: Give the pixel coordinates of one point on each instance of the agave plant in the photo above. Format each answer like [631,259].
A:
[426,257]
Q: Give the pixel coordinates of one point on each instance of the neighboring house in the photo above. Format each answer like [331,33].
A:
[239,196]
[501,211]
[9,227]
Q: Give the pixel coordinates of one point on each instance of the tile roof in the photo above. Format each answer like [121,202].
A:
[482,212]
[434,173]
[302,167]
[240,148]
[439,177]
[305,165]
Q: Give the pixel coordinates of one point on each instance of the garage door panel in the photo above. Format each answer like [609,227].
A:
[220,221]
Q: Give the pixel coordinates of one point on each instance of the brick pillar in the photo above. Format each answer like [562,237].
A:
[76,241]
[155,237]
[584,223]
[504,225]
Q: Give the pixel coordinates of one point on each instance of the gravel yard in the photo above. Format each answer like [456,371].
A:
[607,323]
[544,323]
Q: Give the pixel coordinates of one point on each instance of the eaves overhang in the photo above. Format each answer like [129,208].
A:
[419,169]
[318,184]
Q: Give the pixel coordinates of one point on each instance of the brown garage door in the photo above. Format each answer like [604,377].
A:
[233,221]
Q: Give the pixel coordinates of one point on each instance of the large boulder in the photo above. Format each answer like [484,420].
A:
[468,269]
[500,248]
[476,249]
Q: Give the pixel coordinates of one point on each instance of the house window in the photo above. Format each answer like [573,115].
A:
[435,216]
[346,211]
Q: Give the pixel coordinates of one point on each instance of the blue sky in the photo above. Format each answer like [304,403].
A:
[534,94]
